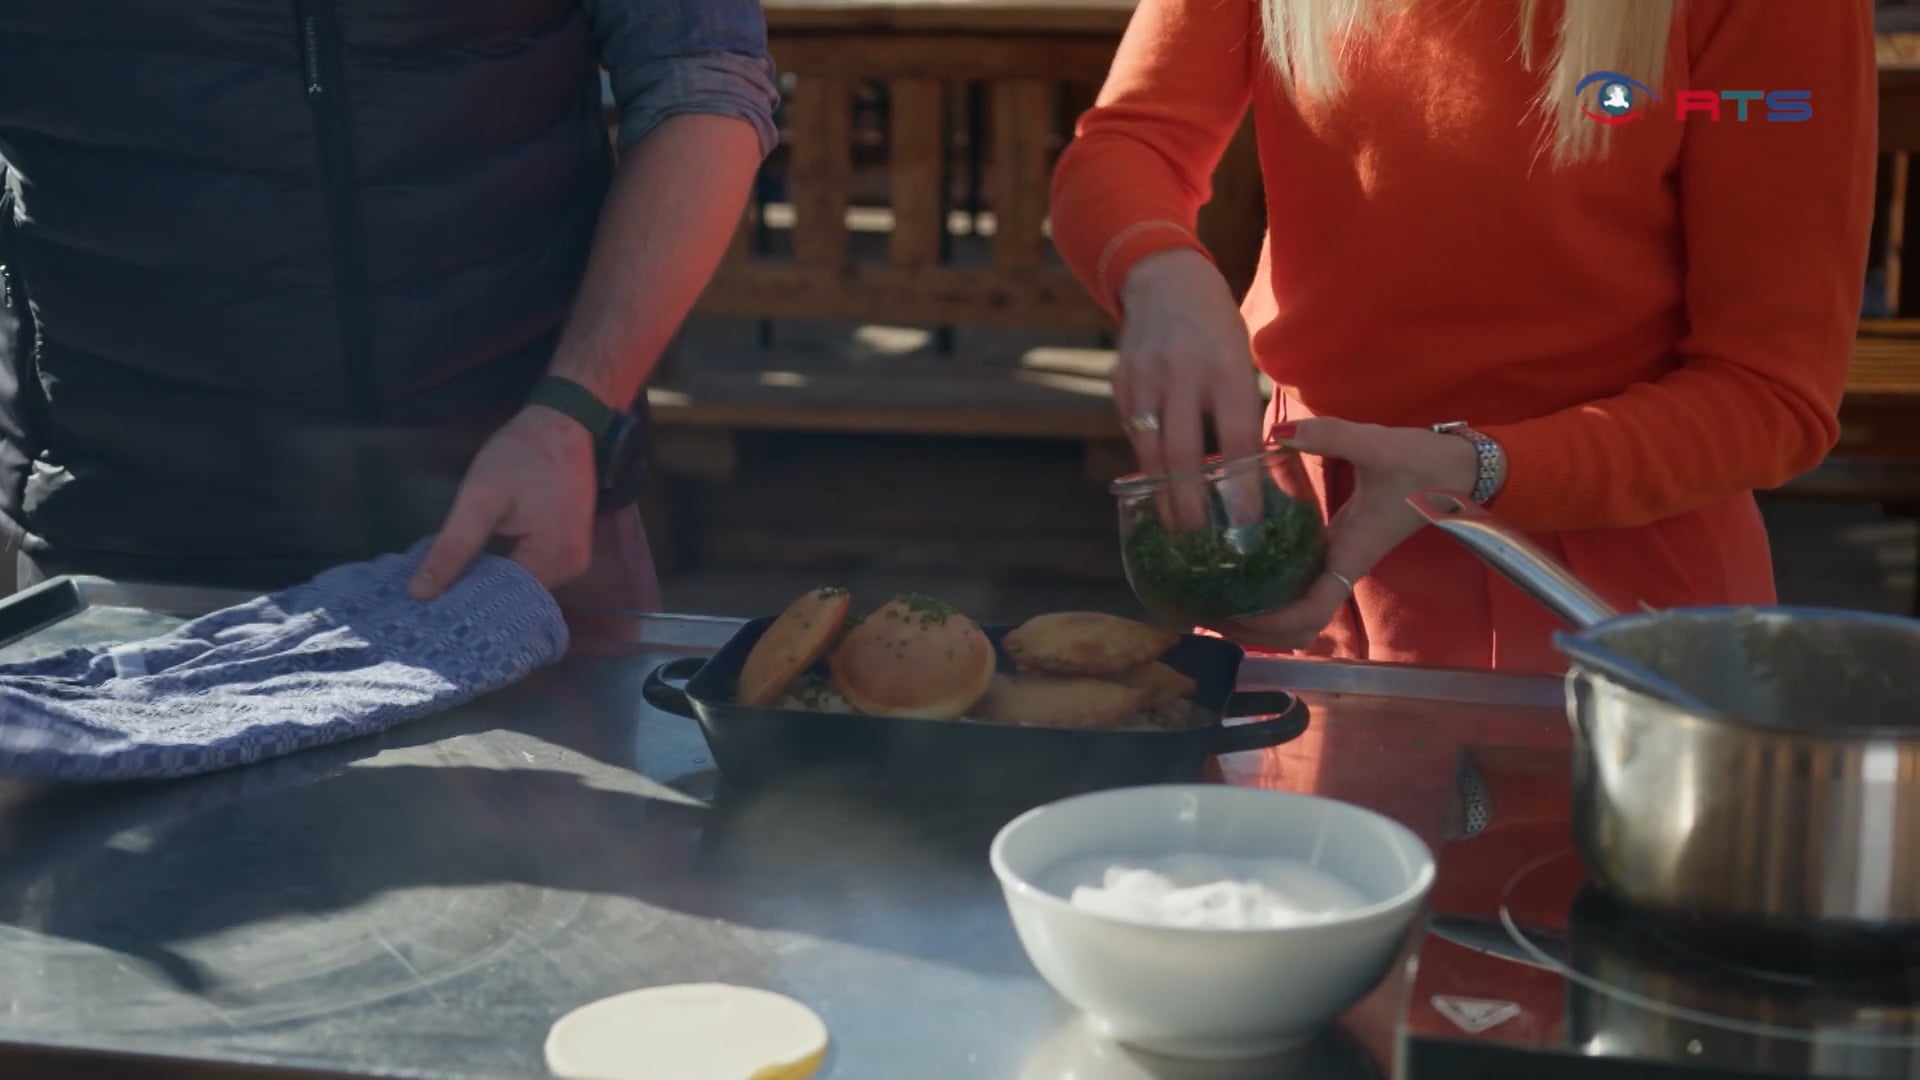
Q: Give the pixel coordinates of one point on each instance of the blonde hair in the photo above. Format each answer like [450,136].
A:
[1627,36]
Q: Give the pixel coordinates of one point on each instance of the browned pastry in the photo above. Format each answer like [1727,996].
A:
[1046,701]
[791,644]
[1163,685]
[915,658]
[1086,643]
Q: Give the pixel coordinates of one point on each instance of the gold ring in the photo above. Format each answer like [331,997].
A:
[1144,422]
[1342,579]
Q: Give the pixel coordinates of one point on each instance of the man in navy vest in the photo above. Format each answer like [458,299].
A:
[289,283]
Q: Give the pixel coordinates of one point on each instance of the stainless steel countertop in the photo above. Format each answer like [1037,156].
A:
[427,903]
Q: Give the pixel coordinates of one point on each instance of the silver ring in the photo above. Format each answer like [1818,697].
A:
[1342,579]
[1143,422]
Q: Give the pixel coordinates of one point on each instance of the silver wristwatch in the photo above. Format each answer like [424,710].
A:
[1493,459]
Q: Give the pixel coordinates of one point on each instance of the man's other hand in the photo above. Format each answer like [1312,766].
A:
[533,484]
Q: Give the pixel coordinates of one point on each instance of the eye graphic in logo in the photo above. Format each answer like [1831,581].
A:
[1616,99]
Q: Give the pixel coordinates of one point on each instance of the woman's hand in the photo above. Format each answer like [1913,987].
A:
[1184,357]
[1390,465]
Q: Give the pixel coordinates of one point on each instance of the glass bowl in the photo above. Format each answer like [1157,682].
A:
[1223,543]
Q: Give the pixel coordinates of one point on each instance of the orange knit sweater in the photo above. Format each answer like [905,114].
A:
[1646,333]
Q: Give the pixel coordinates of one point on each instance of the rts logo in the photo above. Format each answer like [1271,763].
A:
[1621,99]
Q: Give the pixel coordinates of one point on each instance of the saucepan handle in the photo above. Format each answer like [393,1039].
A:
[1514,557]
[661,690]
[1281,718]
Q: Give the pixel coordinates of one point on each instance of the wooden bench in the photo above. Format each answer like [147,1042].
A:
[901,280]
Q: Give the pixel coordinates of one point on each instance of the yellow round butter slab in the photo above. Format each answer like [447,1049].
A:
[698,1031]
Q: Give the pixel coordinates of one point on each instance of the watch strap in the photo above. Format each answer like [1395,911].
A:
[1486,483]
[572,399]
[612,430]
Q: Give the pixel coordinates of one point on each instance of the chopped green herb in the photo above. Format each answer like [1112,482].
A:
[1220,573]
[931,611]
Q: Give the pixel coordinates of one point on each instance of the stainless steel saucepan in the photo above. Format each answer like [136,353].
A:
[1793,803]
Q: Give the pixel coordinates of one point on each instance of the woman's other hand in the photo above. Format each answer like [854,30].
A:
[1390,465]
[1184,357]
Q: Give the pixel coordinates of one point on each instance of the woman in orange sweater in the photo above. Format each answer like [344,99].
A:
[1601,242]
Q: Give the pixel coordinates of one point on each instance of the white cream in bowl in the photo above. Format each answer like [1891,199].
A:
[1208,920]
[1210,892]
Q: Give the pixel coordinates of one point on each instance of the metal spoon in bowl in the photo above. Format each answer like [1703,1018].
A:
[1629,673]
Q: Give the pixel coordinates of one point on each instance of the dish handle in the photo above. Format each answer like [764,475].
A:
[665,688]
[1282,718]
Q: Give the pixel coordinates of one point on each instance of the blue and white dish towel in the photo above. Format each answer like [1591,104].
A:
[344,655]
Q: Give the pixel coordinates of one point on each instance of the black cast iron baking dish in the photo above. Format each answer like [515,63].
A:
[759,745]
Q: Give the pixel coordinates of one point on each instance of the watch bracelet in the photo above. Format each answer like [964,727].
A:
[1488,454]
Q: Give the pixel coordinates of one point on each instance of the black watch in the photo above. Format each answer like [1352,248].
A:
[612,429]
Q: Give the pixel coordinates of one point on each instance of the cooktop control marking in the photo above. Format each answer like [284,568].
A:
[1474,1015]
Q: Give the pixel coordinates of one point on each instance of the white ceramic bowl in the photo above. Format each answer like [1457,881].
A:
[1206,993]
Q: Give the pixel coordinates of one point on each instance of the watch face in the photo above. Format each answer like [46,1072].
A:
[618,451]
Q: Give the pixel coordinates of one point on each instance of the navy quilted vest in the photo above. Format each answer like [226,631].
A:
[275,267]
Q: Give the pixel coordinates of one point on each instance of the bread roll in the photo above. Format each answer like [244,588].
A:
[914,658]
[790,645]
[1086,643]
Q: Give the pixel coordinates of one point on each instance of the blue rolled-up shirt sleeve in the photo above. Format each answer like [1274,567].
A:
[673,57]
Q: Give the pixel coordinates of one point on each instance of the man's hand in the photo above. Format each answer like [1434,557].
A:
[662,231]
[533,483]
